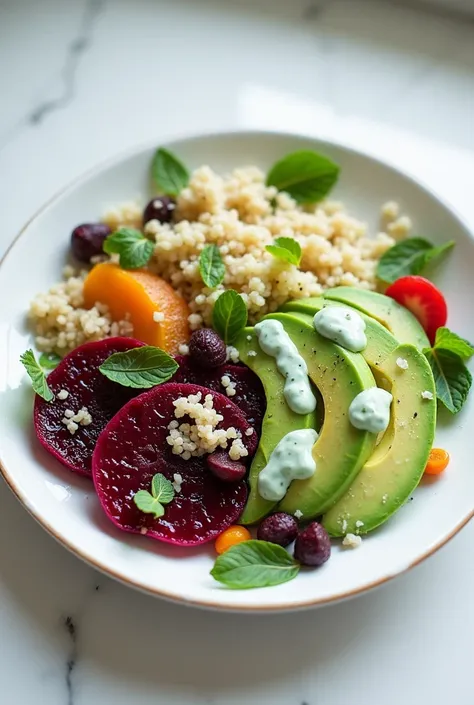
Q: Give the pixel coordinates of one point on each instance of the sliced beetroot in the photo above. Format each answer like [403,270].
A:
[249,394]
[222,466]
[133,447]
[78,374]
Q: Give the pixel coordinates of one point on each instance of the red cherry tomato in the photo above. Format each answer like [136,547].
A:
[423,299]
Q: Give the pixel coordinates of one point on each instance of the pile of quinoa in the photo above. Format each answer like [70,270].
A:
[203,435]
[241,215]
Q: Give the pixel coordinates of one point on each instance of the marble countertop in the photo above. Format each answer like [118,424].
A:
[83,80]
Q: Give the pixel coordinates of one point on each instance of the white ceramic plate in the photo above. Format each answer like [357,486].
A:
[65,504]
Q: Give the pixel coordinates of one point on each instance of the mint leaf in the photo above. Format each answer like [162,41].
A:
[37,376]
[162,492]
[229,315]
[162,489]
[409,257]
[447,340]
[307,176]
[169,174]
[286,249]
[211,266]
[452,378]
[148,504]
[438,252]
[140,368]
[254,564]
[134,249]
[49,361]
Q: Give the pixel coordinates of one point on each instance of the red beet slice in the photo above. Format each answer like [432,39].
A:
[249,394]
[133,447]
[79,375]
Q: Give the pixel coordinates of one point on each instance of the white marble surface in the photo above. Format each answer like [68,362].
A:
[83,80]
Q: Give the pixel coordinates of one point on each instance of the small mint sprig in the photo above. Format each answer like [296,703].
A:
[452,378]
[37,375]
[409,257]
[162,492]
[286,249]
[211,266]
[133,248]
[141,368]
[254,564]
[447,340]
[306,175]
[168,172]
[229,315]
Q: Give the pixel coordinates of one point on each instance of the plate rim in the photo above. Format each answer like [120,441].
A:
[116,575]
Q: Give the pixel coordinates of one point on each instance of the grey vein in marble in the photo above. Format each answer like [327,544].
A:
[76,49]
[68,73]
[71,629]
[453,14]
[314,10]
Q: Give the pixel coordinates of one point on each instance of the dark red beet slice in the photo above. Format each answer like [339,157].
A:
[249,395]
[79,375]
[133,447]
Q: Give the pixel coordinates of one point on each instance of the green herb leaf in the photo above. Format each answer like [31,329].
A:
[162,492]
[447,340]
[49,361]
[409,257]
[286,249]
[229,315]
[253,564]
[162,489]
[37,376]
[148,504]
[169,174]
[134,248]
[452,378]
[307,176]
[211,266]
[141,368]
[438,252]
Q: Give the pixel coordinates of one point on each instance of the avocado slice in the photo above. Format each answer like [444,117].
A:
[397,319]
[395,469]
[340,450]
[279,419]
[380,342]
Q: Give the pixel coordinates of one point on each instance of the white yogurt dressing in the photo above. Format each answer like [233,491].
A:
[275,341]
[370,410]
[343,326]
[291,459]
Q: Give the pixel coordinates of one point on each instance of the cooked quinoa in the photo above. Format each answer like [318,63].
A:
[241,215]
[202,436]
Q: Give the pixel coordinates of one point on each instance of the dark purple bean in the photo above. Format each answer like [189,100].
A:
[207,349]
[278,528]
[87,240]
[160,208]
[223,467]
[313,546]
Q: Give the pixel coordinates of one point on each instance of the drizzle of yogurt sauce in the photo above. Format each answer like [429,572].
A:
[275,341]
[343,326]
[370,410]
[291,459]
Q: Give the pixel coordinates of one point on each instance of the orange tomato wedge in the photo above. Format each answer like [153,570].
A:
[437,461]
[231,537]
